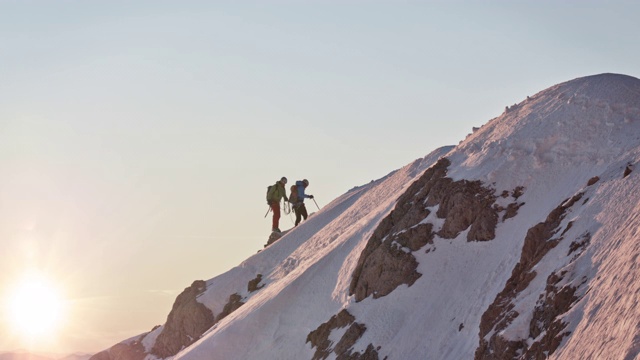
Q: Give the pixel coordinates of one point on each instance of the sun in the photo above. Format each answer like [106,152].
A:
[35,308]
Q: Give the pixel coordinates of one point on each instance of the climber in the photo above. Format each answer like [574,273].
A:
[297,199]
[274,194]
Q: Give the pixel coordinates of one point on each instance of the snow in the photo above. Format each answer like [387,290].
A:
[150,339]
[552,144]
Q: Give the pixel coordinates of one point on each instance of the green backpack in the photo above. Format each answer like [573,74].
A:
[270,190]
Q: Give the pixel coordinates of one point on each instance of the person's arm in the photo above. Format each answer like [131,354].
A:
[301,193]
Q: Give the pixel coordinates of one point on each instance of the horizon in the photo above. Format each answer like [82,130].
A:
[137,140]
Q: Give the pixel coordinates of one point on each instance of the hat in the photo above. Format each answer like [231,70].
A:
[305,182]
[283,180]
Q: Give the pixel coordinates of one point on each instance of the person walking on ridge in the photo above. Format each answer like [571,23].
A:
[297,198]
[274,194]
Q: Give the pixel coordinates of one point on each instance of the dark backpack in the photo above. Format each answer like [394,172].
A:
[293,198]
[269,191]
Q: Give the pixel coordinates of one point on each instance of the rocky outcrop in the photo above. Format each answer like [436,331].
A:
[579,245]
[319,339]
[189,319]
[254,285]
[275,236]
[235,301]
[383,268]
[128,350]
[387,260]
[557,300]
[186,322]
[545,323]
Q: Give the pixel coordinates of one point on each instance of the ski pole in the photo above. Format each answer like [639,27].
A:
[314,200]
[265,215]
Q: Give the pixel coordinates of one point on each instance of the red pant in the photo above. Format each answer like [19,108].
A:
[275,207]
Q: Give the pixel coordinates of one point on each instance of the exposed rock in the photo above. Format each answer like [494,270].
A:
[466,205]
[627,170]
[511,211]
[387,260]
[517,192]
[415,237]
[593,180]
[186,322]
[319,339]
[546,326]
[235,301]
[128,350]
[555,302]
[538,241]
[255,284]
[273,238]
[370,353]
[385,268]
[350,337]
[580,244]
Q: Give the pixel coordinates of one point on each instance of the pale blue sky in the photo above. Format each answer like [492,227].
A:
[137,138]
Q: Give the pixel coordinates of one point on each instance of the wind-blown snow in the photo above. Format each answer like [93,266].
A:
[551,144]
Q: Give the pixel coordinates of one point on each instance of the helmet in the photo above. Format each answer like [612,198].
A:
[305,182]
[284,180]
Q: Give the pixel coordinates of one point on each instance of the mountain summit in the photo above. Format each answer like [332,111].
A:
[522,242]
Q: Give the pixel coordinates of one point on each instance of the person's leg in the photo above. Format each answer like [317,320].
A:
[298,215]
[276,216]
[303,211]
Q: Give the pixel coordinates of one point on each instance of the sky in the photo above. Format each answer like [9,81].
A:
[137,139]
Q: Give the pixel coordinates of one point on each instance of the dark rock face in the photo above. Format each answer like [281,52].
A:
[131,350]
[383,268]
[593,180]
[319,339]
[273,238]
[235,301]
[511,211]
[254,284]
[369,354]
[466,205]
[580,244]
[387,260]
[186,322]
[557,300]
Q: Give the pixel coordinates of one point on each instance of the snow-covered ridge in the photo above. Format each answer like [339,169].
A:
[524,244]
[586,122]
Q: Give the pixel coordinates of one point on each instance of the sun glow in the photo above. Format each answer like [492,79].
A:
[35,308]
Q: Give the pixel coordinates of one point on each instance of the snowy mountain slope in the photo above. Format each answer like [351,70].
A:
[520,242]
[312,275]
